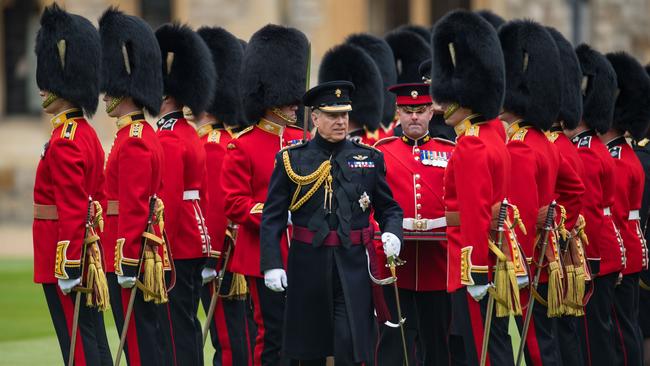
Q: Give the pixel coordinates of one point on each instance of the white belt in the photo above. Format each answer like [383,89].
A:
[634,215]
[191,195]
[423,224]
[607,211]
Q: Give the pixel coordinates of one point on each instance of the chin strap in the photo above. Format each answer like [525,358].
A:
[113,104]
[49,100]
[283,116]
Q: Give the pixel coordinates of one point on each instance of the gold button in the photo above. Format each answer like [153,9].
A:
[418,206]
[417,176]
[416,150]
[418,216]
[416,158]
[417,186]
[418,196]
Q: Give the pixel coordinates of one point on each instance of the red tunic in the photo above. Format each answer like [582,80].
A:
[245,177]
[605,250]
[476,178]
[415,172]
[630,178]
[183,176]
[133,175]
[70,170]
[538,176]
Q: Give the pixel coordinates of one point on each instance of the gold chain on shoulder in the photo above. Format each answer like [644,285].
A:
[318,177]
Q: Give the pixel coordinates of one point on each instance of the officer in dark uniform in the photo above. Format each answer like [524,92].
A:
[330,185]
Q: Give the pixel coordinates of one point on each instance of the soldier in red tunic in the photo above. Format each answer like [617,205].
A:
[538,173]
[228,326]
[272,82]
[631,115]
[69,172]
[381,53]
[468,81]
[351,63]
[569,117]
[132,82]
[605,252]
[415,167]
[189,78]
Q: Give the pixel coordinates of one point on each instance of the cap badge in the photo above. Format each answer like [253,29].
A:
[337,92]
[414,94]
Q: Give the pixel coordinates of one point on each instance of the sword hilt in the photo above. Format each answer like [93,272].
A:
[550,215]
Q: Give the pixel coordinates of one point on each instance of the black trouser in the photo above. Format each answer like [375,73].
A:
[91,347]
[183,306]
[343,345]
[597,329]
[542,346]
[228,331]
[626,321]
[568,329]
[466,338]
[427,314]
[148,338]
[268,308]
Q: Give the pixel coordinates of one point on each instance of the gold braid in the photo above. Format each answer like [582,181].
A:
[318,177]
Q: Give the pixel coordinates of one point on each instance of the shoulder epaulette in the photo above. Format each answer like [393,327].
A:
[552,136]
[444,140]
[244,131]
[294,146]
[385,140]
[68,130]
[520,135]
[643,142]
[473,130]
[136,130]
[214,136]
[364,146]
[615,152]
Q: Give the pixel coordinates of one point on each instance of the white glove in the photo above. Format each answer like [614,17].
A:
[126,282]
[275,279]
[391,244]
[478,292]
[67,285]
[208,274]
[522,281]
[289,218]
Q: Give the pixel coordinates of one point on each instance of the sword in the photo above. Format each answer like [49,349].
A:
[305,122]
[394,261]
[529,312]
[490,306]
[134,289]
[77,298]
[216,283]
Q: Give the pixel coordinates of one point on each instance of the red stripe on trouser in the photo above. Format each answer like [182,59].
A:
[171,332]
[531,338]
[476,320]
[259,321]
[67,303]
[131,334]
[620,336]
[586,326]
[223,332]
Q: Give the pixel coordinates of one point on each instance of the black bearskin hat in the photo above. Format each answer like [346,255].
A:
[68,53]
[571,106]
[130,60]
[467,63]
[274,70]
[227,53]
[533,72]
[491,17]
[409,50]
[351,63]
[598,86]
[417,29]
[632,108]
[188,71]
[381,53]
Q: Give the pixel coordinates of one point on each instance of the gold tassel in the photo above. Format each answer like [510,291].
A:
[96,280]
[502,290]
[160,214]
[570,297]
[514,288]
[238,287]
[555,290]
[580,289]
[516,217]
[159,277]
[149,268]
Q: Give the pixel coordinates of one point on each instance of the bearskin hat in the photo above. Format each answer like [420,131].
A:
[227,53]
[425,70]
[409,50]
[68,58]
[467,63]
[274,70]
[533,72]
[417,29]
[130,60]
[188,71]
[351,63]
[382,54]
[632,107]
[491,17]
[598,86]
[571,106]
